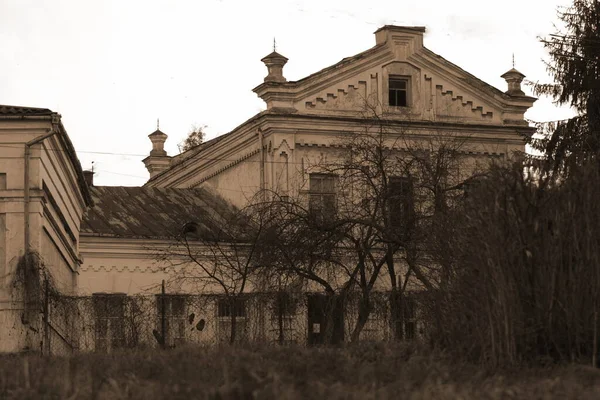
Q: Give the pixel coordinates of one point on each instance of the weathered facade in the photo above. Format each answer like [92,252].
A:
[305,119]
[416,92]
[43,196]
[123,239]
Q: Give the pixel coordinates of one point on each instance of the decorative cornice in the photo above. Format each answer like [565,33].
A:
[341,146]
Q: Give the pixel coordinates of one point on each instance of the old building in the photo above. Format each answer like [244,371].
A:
[398,78]
[113,254]
[43,196]
[418,93]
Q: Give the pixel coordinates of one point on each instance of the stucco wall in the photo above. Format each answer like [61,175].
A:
[49,164]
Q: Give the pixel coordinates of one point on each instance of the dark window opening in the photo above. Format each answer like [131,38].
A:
[109,310]
[285,304]
[175,318]
[400,200]
[409,311]
[231,307]
[318,307]
[398,92]
[282,319]
[226,310]
[322,201]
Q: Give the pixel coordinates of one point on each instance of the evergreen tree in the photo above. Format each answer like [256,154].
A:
[574,57]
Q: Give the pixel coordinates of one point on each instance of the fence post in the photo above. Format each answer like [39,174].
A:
[46,317]
[163,327]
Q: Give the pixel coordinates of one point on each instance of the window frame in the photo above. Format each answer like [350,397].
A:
[320,195]
[409,316]
[175,323]
[224,319]
[285,305]
[401,200]
[406,90]
[112,335]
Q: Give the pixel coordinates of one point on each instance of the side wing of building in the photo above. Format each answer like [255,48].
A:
[43,196]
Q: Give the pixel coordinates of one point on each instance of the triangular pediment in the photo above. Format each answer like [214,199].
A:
[436,89]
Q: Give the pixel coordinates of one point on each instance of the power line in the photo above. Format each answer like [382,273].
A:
[146,155]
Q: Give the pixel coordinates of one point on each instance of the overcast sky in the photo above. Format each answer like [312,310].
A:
[112,67]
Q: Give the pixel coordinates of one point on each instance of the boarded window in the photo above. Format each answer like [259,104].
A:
[398,92]
[109,310]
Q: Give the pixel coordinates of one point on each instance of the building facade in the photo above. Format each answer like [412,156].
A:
[111,256]
[419,95]
[43,196]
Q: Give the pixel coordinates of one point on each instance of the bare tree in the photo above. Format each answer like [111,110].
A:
[386,204]
[221,259]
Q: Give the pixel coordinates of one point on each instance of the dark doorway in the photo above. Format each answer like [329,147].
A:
[318,304]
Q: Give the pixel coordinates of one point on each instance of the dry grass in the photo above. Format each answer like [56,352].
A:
[362,372]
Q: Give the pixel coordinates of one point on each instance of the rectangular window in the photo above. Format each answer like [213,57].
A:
[409,315]
[398,92]
[282,319]
[400,200]
[226,309]
[175,318]
[109,312]
[322,202]
[2,181]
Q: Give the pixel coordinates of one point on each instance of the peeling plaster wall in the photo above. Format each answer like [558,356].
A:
[49,164]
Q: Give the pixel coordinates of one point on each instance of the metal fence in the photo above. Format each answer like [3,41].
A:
[104,322]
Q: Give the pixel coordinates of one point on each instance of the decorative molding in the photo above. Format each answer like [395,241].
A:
[122,268]
[341,146]
[466,104]
[338,98]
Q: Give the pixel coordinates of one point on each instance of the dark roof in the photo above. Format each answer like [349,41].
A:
[157,133]
[274,56]
[513,72]
[402,28]
[17,110]
[142,212]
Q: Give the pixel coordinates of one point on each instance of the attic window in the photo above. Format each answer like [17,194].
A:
[398,92]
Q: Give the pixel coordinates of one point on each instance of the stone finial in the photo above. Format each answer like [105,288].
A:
[158,140]
[513,78]
[275,63]
[158,160]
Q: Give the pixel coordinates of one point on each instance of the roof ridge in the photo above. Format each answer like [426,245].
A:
[6,109]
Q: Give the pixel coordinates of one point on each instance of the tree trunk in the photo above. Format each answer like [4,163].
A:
[364,310]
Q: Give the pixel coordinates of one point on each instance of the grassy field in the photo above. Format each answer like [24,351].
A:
[363,372]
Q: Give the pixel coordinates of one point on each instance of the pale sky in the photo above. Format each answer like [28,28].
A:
[112,67]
